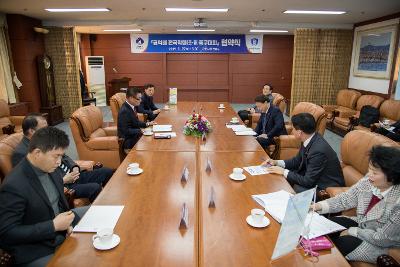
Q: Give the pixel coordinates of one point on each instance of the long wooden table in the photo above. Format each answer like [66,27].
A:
[149,223]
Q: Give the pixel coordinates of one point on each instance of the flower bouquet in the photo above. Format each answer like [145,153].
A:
[197,125]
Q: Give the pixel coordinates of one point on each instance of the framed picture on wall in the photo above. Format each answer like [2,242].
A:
[374,49]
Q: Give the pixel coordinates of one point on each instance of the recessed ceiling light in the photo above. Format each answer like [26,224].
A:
[321,12]
[77,9]
[127,30]
[195,30]
[271,31]
[173,9]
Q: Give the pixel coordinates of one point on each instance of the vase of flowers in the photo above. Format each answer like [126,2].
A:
[197,125]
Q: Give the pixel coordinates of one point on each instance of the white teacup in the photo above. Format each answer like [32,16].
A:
[104,236]
[166,107]
[234,119]
[257,215]
[147,130]
[386,122]
[237,173]
[221,105]
[133,166]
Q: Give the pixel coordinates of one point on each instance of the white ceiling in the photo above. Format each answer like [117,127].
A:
[243,14]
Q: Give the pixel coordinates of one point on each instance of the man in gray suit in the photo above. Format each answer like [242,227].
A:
[316,164]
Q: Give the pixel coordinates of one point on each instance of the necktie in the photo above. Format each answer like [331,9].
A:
[374,200]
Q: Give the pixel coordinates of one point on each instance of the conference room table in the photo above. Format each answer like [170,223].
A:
[215,236]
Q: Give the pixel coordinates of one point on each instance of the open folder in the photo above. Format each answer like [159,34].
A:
[275,204]
[99,217]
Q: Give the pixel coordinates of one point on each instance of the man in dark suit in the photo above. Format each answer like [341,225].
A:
[85,183]
[271,121]
[316,164]
[393,134]
[34,214]
[129,125]
[267,91]
[147,105]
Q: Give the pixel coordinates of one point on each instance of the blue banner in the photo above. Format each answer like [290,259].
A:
[196,43]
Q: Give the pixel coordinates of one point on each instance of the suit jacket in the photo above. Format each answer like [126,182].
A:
[129,125]
[316,164]
[379,228]
[146,105]
[26,215]
[274,123]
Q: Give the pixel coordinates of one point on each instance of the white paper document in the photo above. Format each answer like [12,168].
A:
[239,128]
[320,226]
[162,128]
[256,170]
[275,204]
[245,133]
[98,217]
[172,134]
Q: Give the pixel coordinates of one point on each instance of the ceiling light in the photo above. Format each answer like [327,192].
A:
[173,9]
[320,12]
[195,30]
[77,9]
[127,30]
[271,31]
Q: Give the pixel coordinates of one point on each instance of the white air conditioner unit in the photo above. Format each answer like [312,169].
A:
[96,79]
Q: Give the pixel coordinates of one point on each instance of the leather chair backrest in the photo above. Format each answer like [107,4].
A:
[116,101]
[372,100]
[279,101]
[354,152]
[88,119]
[7,146]
[390,109]
[4,114]
[317,111]
[347,98]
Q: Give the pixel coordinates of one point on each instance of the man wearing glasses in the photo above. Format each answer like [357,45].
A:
[129,125]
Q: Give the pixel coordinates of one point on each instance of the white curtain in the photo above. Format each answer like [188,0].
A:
[6,86]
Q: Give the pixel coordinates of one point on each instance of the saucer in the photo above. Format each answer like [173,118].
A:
[234,122]
[115,241]
[221,107]
[264,223]
[134,171]
[148,133]
[166,108]
[243,177]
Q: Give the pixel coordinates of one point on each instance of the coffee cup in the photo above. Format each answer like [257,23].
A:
[166,106]
[221,105]
[104,236]
[234,119]
[133,166]
[257,215]
[237,173]
[148,131]
[386,122]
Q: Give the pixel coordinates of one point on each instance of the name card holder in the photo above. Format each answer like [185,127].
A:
[208,166]
[211,202]
[185,175]
[184,222]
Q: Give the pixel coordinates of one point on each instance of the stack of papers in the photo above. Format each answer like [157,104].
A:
[99,217]
[162,128]
[275,204]
[244,133]
[256,170]
[172,134]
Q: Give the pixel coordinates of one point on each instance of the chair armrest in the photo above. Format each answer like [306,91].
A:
[111,131]
[16,120]
[86,165]
[345,113]
[103,143]
[334,191]
[288,141]
[329,108]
